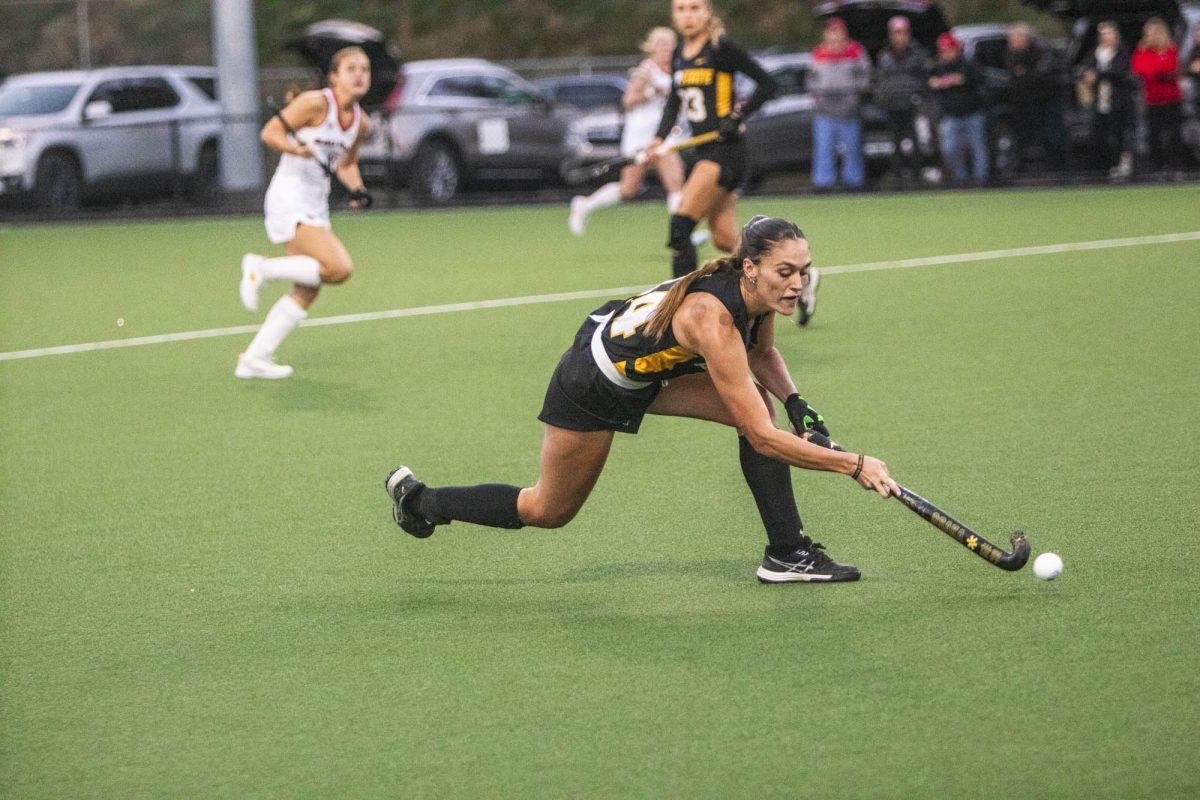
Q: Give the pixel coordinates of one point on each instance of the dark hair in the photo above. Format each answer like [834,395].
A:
[758,238]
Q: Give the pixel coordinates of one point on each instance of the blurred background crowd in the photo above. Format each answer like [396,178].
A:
[888,95]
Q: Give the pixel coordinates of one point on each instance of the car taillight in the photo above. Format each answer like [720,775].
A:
[395,97]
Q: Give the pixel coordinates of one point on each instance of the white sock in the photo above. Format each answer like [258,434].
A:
[607,195]
[281,320]
[304,270]
[673,201]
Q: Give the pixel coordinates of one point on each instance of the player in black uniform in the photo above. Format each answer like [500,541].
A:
[702,346]
[703,68]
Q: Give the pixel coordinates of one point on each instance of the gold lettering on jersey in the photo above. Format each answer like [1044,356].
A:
[695,77]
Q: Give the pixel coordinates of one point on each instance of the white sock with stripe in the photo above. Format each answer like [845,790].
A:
[281,320]
[607,195]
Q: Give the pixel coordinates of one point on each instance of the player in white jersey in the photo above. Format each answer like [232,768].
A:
[644,100]
[321,127]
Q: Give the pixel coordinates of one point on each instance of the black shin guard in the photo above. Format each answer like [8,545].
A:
[683,258]
[491,504]
[770,482]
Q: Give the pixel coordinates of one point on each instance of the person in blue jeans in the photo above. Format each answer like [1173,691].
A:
[957,87]
[839,77]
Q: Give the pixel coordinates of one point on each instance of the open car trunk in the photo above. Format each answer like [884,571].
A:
[1129,15]
[866,20]
[322,39]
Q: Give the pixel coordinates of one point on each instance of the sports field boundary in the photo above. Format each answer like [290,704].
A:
[449,308]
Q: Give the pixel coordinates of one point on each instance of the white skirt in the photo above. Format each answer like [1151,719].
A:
[291,203]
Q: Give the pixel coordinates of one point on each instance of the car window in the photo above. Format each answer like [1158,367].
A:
[136,94]
[475,87]
[206,85]
[589,95]
[790,80]
[24,101]
[991,52]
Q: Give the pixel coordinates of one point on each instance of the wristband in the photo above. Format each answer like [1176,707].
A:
[858,469]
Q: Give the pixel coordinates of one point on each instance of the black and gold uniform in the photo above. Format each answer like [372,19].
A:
[613,370]
[703,88]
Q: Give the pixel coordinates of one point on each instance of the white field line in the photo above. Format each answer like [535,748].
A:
[956,258]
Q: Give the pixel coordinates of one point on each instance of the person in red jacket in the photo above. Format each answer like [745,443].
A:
[1156,63]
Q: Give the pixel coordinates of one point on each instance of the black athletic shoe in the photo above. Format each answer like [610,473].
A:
[401,485]
[808,562]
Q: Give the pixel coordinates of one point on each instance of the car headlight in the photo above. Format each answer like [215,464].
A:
[11,139]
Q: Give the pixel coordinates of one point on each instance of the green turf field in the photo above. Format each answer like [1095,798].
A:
[202,593]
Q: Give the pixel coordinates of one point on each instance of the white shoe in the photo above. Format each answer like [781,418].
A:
[577,220]
[808,297]
[700,237]
[266,368]
[252,280]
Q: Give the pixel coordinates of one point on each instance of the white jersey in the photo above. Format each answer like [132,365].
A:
[299,190]
[641,121]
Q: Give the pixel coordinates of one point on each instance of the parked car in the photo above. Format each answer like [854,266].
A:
[452,122]
[779,135]
[587,93]
[866,20]
[70,136]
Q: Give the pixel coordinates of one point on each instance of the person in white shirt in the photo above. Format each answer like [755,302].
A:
[318,134]
[643,103]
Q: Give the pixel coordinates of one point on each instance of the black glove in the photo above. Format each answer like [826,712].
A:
[803,416]
[362,197]
[730,127]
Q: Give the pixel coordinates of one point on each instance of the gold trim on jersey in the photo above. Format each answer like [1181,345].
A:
[662,361]
[724,94]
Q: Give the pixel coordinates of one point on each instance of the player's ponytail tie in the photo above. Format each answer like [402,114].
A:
[858,469]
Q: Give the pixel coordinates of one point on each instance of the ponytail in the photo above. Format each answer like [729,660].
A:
[716,29]
[759,237]
[660,320]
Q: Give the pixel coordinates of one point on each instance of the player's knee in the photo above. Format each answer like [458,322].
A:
[338,271]
[723,241]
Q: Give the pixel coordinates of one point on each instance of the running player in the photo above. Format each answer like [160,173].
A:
[704,66]
[644,100]
[328,125]
[702,346]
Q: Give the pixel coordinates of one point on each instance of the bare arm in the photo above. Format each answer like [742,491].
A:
[767,365]
[635,91]
[347,170]
[705,326]
[306,110]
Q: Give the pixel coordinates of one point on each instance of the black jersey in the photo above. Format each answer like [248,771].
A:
[703,86]
[640,358]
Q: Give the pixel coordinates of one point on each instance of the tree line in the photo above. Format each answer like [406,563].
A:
[46,35]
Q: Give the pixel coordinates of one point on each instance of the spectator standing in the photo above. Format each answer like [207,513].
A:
[1156,63]
[1193,70]
[840,75]
[1033,96]
[1106,90]
[957,87]
[901,79]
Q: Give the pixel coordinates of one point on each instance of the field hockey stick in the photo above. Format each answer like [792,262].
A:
[977,544]
[595,171]
[359,195]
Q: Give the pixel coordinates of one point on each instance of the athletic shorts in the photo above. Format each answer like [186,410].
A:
[729,156]
[581,398]
[287,205]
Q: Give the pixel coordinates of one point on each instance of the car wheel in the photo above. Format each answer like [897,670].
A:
[58,185]
[206,182]
[437,174]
